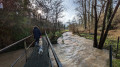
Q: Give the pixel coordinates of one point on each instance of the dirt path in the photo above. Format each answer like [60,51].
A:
[75,51]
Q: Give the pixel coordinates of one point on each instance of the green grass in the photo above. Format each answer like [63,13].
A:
[109,41]
[116,62]
[66,30]
[86,35]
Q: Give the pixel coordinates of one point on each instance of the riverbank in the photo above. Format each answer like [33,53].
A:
[76,51]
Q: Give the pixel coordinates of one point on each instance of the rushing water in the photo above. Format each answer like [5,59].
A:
[75,51]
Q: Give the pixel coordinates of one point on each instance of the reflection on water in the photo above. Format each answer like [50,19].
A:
[75,51]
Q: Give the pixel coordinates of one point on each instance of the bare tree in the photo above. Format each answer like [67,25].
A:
[108,26]
[103,34]
[57,11]
[83,14]
[96,25]
[94,14]
[89,22]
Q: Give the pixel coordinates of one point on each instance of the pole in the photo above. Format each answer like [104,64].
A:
[25,50]
[110,55]
[117,47]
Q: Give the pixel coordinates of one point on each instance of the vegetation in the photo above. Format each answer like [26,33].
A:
[54,37]
[106,23]
[98,22]
[109,41]
[12,22]
[116,63]
[19,16]
[96,17]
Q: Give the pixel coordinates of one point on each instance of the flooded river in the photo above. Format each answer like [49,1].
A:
[76,51]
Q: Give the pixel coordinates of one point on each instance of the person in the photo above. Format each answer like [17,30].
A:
[37,35]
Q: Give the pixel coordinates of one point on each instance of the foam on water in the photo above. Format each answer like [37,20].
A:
[75,51]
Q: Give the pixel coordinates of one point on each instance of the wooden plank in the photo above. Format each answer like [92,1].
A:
[36,60]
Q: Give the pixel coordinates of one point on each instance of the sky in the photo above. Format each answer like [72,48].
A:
[69,12]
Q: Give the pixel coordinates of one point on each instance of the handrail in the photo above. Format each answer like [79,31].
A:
[53,51]
[30,45]
[18,59]
[117,46]
[22,54]
[49,55]
[110,55]
[4,49]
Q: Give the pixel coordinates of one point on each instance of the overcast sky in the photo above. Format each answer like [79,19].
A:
[69,12]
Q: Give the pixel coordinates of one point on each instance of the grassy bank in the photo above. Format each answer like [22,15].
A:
[116,63]
[109,41]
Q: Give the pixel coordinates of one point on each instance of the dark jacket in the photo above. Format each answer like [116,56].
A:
[36,33]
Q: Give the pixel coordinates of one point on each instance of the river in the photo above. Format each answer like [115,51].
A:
[76,51]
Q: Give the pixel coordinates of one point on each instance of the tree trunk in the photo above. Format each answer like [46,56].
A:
[109,11]
[89,17]
[103,27]
[85,19]
[96,25]
[109,25]
[92,8]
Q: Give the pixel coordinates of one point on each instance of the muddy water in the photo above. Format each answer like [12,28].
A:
[75,51]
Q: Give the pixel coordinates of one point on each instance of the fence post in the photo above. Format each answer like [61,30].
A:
[25,46]
[117,46]
[110,55]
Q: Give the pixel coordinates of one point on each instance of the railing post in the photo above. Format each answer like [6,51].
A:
[117,46]
[110,55]
[54,54]
[25,46]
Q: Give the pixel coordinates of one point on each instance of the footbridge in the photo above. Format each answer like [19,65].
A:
[33,59]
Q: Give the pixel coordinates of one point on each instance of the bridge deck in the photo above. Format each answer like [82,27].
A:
[36,60]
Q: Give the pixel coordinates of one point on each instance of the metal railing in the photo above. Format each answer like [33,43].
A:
[4,49]
[113,51]
[110,55]
[23,54]
[49,53]
[53,51]
[25,51]
[117,50]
